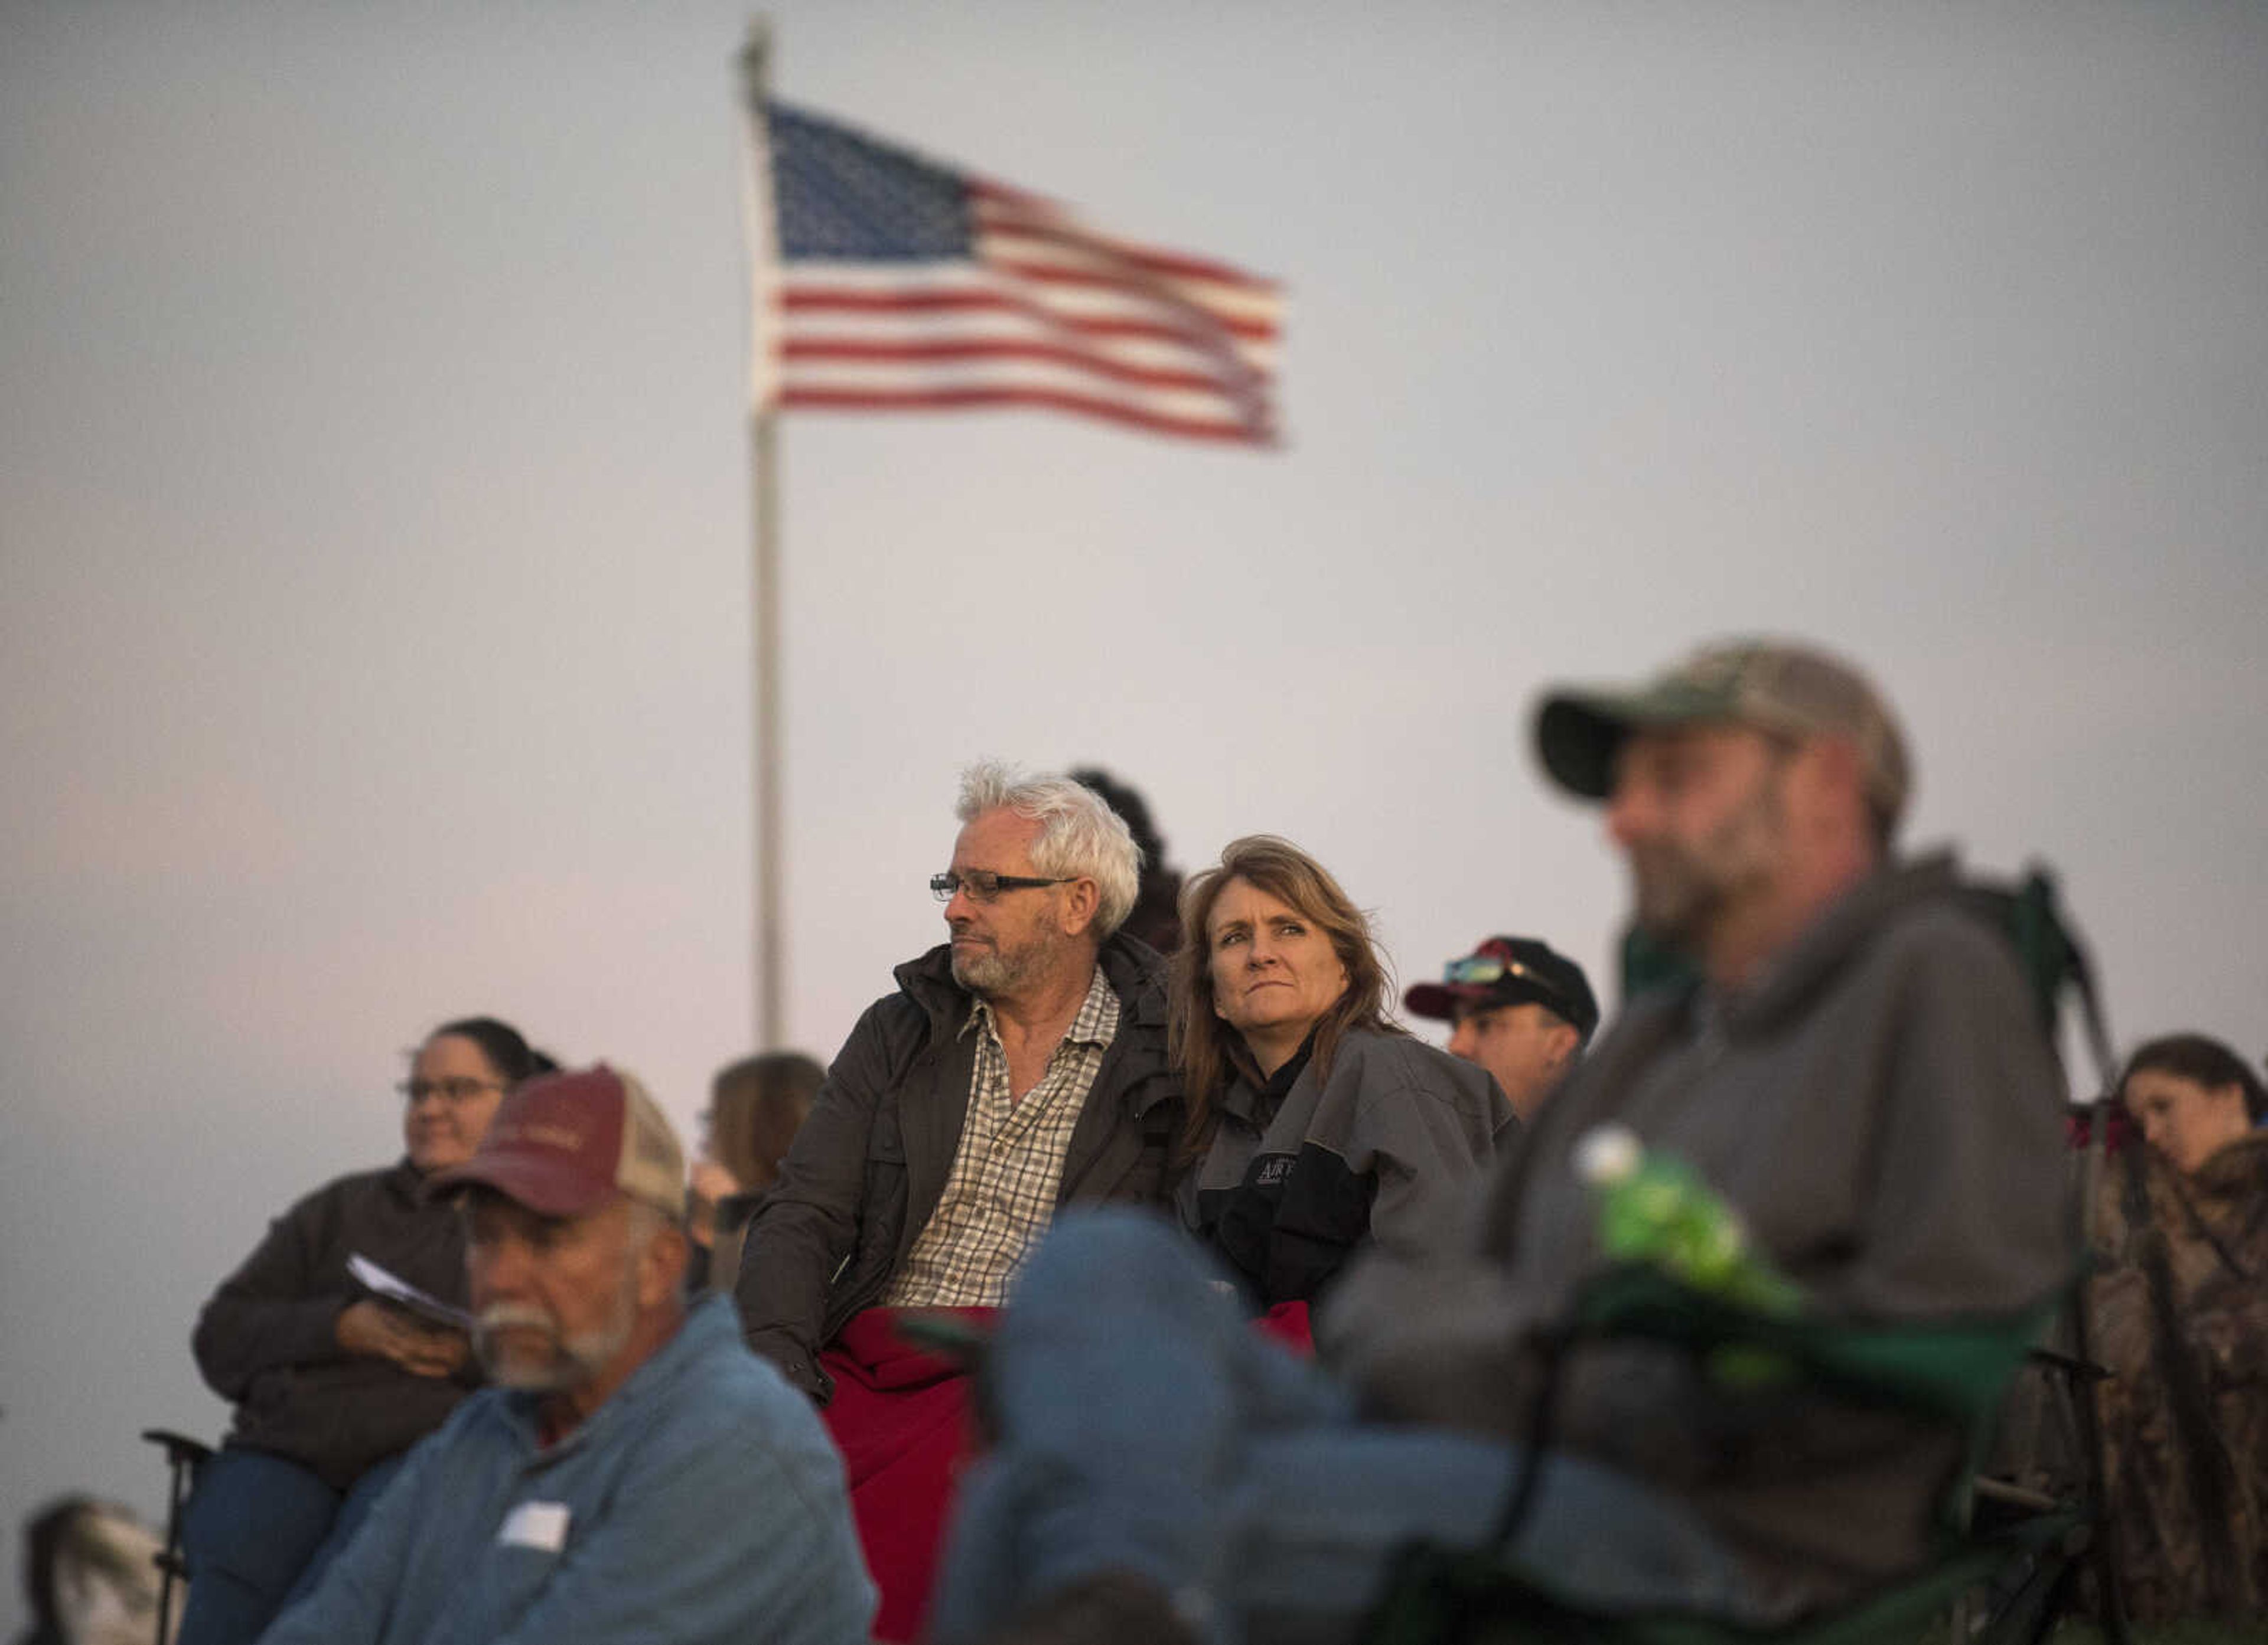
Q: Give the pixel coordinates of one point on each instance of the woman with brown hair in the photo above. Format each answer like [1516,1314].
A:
[1316,1122]
[2180,1315]
[756,1107]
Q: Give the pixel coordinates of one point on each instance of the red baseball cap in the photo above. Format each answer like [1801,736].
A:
[564,1144]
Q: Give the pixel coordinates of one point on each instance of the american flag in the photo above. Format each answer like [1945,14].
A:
[886,281]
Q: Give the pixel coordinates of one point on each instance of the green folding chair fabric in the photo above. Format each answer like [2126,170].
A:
[1957,1372]
[1445,1596]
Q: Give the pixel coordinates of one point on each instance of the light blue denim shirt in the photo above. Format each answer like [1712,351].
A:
[702,1502]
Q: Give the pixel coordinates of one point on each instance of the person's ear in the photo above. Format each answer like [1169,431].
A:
[1082,900]
[661,1267]
[1825,784]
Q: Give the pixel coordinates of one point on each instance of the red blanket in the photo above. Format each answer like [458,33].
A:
[902,1418]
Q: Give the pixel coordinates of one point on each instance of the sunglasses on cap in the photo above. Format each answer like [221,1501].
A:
[1481,970]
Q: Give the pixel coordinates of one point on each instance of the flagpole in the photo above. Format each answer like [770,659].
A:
[764,447]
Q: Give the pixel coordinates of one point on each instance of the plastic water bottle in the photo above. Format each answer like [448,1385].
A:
[1654,1207]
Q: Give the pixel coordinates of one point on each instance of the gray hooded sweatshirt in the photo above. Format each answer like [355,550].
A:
[1882,1109]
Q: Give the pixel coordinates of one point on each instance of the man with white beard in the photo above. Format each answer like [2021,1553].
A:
[633,1471]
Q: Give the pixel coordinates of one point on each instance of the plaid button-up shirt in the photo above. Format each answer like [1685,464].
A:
[1001,1193]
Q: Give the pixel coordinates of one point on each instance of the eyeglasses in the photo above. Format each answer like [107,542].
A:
[982,885]
[1481,969]
[452,1091]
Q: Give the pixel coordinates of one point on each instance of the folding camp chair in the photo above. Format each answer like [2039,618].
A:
[184,1456]
[1440,1595]
[2057,1460]
[2011,1551]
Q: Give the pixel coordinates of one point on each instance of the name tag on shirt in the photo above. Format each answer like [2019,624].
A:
[539,1525]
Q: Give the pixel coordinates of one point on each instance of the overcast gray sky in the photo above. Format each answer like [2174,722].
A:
[374,500]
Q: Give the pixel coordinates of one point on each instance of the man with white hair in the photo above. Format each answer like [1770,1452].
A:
[632,1472]
[1019,1065]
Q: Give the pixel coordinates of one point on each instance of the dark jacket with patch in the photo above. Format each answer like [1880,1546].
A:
[869,1165]
[1387,1147]
[267,1338]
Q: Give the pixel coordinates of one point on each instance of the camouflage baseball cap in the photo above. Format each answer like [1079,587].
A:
[1774,686]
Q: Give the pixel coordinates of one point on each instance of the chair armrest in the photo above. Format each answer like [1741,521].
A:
[179,1448]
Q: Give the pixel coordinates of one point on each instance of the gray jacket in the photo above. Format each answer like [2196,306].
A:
[1387,1148]
[869,1165]
[1882,1109]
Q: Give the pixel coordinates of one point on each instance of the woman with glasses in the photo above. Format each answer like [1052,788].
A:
[1316,1122]
[333,1382]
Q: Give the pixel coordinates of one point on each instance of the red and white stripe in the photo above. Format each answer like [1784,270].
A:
[1048,313]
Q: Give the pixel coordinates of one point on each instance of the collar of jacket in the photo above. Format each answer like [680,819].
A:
[1249,1095]
[406,1183]
[1135,971]
[1791,978]
[2237,1172]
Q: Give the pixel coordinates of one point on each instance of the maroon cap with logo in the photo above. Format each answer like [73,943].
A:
[564,1144]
